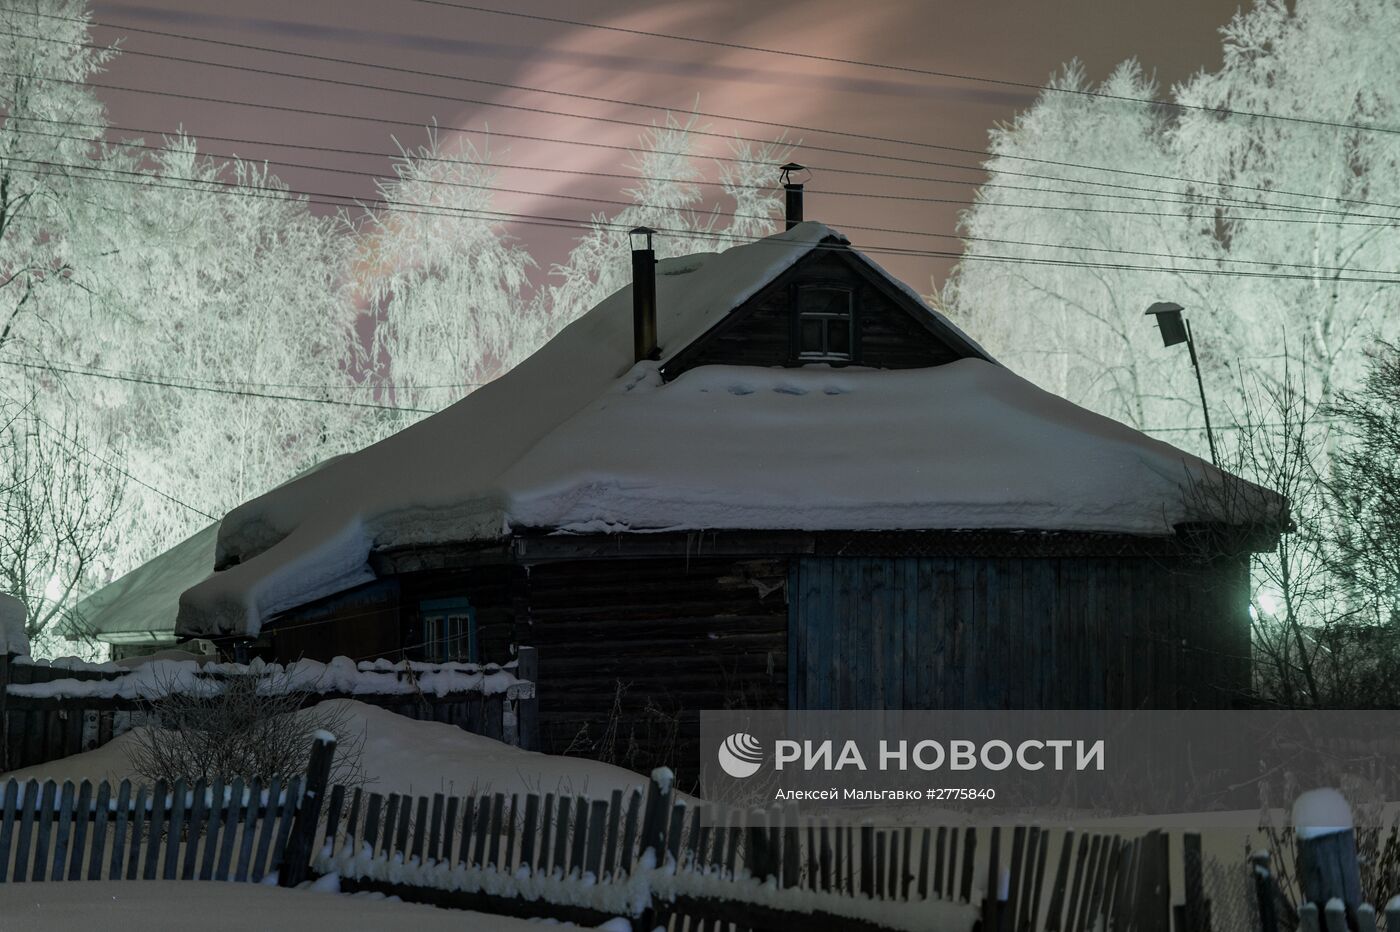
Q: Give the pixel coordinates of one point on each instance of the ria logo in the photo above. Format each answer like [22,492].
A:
[740,755]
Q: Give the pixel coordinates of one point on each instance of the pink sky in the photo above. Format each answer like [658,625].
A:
[1018,41]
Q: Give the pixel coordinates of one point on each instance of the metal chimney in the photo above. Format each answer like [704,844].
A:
[643,294]
[794,194]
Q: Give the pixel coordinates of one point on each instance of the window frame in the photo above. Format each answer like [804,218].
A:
[799,317]
[448,625]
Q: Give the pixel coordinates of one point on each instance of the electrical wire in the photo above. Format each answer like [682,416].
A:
[482,214]
[359,85]
[738,216]
[50,367]
[905,69]
[1072,208]
[242,46]
[66,441]
[320,386]
[730,159]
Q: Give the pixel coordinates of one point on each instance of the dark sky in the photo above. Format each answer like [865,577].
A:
[1019,41]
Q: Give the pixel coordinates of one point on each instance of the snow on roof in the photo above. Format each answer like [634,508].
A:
[142,605]
[959,446]
[579,438]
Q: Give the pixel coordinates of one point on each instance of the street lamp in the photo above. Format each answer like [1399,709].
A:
[1176,329]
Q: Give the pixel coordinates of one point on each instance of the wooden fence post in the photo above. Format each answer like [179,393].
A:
[527,716]
[296,858]
[1196,909]
[655,816]
[1264,891]
[1327,863]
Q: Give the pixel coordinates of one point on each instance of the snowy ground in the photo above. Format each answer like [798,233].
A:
[405,756]
[180,905]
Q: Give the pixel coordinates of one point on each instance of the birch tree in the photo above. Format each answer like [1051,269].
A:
[667,197]
[1270,217]
[445,281]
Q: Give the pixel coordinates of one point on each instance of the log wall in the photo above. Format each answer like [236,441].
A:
[633,649]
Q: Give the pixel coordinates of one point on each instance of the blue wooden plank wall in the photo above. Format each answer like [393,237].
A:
[1051,632]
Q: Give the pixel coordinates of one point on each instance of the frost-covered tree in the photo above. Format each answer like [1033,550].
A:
[49,217]
[1366,487]
[1284,211]
[147,294]
[57,227]
[667,197]
[1282,59]
[57,510]
[444,280]
[231,292]
[1077,330]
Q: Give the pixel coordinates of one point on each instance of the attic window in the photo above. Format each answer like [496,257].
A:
[824,323]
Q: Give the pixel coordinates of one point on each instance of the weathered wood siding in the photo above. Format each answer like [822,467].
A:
[1049,632]
[382,619]
[759,333]
[632,650]
[361,623]
[491,589]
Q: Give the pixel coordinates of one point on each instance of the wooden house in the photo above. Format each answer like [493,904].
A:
[768,477]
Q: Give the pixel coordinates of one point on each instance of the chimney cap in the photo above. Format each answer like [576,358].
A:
[788,170]
[641,231]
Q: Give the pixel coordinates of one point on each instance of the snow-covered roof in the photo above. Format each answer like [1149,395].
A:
[578,438]
[142,605]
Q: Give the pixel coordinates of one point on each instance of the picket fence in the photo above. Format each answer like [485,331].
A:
[238,831]
[674,864]
[658,860]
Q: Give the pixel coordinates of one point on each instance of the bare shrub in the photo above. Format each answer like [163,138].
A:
[249,725]
[636,736]
[1377,839]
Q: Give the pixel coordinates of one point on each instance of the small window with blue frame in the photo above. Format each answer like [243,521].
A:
[449,631]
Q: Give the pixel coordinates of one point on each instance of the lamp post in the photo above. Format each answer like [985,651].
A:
[1176,329]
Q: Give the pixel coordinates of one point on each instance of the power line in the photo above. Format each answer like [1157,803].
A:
[905,69]
[327,386]
[64,439]
[359,85]
[50,367]
[484,215]
[649,106]
[1074,208]
[735,215]
[737,160]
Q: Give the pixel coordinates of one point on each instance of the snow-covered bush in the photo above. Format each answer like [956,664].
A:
[252,727]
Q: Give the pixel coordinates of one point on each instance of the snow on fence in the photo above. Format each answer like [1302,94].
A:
[653,859]
[1324,874]
[663,862]
[241,831]
[54,709]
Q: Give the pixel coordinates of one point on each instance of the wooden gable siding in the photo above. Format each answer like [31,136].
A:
[972,633]
[630,649]
[382,619]
[891,333]
[361,622]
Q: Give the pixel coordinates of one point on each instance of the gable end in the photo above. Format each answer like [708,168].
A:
[885,327]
